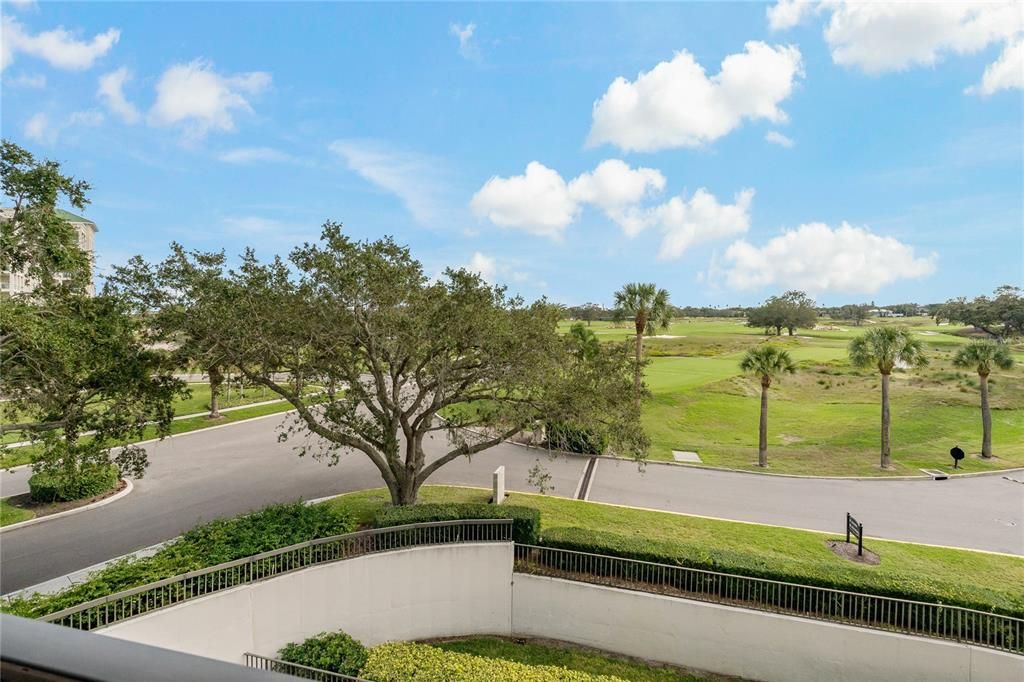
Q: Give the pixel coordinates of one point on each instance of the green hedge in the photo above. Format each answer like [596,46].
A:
[569,438]
[334,651]
[59,487]
[207,545]
[745,564]
[525,521]
[403,661]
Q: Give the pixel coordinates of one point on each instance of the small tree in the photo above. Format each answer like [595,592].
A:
[983,357]
[648,307]
[1001,317]
[767,363]
[886,348]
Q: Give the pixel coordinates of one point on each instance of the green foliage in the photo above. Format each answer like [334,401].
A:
[1001,317]
[767,363]
[983,357]
[206,545]
[334,651]
[525,521]
[885,348]
[645,304]
[569,438]
[58,487]
[791,310]
[404,661]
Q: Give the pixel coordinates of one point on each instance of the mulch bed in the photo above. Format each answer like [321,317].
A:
[24,501]
[848,550]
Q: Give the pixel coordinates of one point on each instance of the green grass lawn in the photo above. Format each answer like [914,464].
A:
[823,421]
[9,514]
[977,577]
[531,652]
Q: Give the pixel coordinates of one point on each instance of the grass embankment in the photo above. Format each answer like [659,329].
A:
[574,658]
[10,514]
[944,574]
[823,421]
[23,455]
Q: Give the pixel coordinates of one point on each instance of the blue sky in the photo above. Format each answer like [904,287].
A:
[725,151]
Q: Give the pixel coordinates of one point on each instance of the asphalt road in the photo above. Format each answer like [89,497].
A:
[230,470]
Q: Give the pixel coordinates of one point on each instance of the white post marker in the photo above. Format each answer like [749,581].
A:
[498,485]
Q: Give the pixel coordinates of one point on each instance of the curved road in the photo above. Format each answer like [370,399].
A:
[236,468]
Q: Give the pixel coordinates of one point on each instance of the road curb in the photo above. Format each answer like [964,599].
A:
[920,477]
[71,512]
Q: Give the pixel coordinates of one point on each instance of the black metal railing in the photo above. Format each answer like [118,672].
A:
[905,616]
[169,591]
[296,670]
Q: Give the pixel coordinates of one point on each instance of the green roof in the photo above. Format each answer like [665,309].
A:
[71,217]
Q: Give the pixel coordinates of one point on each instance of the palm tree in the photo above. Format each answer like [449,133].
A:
[984,356]
[886,348]
[767,363]
[648,306]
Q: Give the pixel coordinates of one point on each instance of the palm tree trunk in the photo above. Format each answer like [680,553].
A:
[638,371]
[986,419]
[886,452]
[762,433]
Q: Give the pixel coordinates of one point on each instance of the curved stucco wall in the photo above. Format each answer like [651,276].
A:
[469,589]
[407,594]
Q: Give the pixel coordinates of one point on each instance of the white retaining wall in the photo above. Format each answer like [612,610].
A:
[468,589]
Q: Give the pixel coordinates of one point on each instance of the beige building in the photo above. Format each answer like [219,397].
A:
[19,282]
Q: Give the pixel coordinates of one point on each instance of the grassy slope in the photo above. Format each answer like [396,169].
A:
[824,420]
[9,514]
[985,578]
[573,658]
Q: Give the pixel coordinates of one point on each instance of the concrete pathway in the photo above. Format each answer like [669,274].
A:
[229,470]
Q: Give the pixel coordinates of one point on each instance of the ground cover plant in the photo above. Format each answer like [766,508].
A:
[334,651]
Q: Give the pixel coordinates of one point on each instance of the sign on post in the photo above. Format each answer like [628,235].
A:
[854,528]
[498,485]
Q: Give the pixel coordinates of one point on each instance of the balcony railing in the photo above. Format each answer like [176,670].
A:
[938,621]
[296,670]
[139,600]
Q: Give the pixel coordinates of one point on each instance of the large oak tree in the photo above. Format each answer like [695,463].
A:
[397,356]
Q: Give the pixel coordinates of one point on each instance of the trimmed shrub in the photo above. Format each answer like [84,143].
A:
[525,521]
[404,661]
[334,651]
[569,438]
[59,487]
[207,545]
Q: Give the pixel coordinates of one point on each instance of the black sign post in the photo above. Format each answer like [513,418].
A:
[856,529]
[957,454]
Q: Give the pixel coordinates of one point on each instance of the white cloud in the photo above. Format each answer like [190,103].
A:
[701,219]
[409,176]
[1005,73]
[613,184]
[58,47]
[880,37]
[111,91]
[538,201]
[775,137]
[38,128]
[818,259]
[199,98]
[34,81]
[255,155]
[464,32]
[485,266]
[676,104]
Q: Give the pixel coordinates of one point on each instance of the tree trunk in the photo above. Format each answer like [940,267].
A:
[404,490]
[790,330]
[216,379]
[986,419]
[886,453]
[638,372]
[762,432]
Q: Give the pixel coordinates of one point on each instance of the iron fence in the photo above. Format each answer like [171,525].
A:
[992,630]
[296,670]
[163,593]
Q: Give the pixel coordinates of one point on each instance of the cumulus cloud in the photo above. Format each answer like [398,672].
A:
[409,176]
[244,155]
[37,128]
[111,91]
[538,201]
[775,137]
[58,47]
[700,219]
[817,258]
[195,96]
[40,128]
[613,184]
[676,104]
[467,46]
[880,37]
[34,81]
[485,266]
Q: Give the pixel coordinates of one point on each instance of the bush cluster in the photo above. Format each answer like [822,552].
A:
[403,661]
[569,438]
[207,545]
[59,487]
[334,651]
[525,521]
